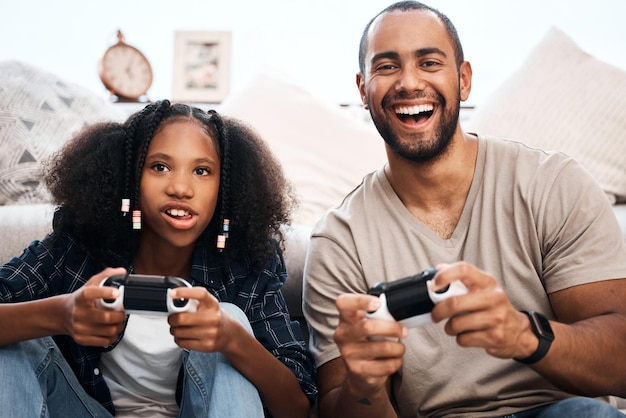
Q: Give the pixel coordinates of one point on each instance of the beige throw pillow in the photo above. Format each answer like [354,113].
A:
[325,150]
[566,100]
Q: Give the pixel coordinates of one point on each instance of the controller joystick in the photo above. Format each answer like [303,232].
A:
[410,300]
[147,294]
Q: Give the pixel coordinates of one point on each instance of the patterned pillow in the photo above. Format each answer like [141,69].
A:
[39,112]
[563,99]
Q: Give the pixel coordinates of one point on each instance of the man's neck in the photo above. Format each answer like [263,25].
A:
[435,192]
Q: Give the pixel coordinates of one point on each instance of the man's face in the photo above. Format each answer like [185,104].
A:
[412,86]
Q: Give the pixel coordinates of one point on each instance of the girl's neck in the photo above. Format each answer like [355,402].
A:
[171,263]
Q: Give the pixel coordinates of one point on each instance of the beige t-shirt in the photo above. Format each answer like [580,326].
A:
[535,221]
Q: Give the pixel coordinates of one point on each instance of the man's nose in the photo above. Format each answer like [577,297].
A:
[410,79]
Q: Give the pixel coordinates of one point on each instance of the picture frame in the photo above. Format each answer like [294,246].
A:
[202,62]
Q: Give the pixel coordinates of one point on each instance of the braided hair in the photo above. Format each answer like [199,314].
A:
[103,164]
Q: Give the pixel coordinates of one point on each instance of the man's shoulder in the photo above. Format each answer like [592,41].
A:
[516,148]
[507,154]
[352,206]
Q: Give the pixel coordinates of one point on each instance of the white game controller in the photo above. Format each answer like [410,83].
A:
[411,299]
[146,294]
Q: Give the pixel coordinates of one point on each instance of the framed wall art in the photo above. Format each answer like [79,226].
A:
[201,66]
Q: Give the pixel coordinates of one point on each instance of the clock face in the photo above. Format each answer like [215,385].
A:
[125,71]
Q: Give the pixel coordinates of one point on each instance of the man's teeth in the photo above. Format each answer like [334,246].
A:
[177,212]
[414,110]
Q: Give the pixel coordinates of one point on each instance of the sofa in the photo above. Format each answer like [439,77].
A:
[560,99]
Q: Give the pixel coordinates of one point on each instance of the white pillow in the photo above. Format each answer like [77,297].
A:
[325,150]
[564,99]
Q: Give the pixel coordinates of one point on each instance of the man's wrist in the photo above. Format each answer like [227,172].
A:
[371,401]
[540,326]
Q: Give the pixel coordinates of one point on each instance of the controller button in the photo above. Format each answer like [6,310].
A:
[442,291]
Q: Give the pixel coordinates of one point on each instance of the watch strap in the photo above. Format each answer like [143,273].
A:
[545,337]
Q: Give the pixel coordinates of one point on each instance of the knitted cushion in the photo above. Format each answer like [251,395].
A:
[39,112]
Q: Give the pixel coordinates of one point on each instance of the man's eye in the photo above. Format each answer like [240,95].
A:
[385,67]
[430,64]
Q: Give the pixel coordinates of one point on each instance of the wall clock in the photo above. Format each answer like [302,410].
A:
[125,71]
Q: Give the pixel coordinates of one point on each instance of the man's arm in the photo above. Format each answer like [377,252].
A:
[357,384]
[338,399]
[587,355]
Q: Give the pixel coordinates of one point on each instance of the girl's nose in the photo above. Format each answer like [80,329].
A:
[180,186]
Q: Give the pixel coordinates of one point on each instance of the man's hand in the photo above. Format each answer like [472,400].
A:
[484,317]
[369,361]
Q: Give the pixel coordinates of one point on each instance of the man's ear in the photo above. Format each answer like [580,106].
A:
[465,80]
[360,83]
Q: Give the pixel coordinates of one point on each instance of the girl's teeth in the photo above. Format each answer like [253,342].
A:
[178,212]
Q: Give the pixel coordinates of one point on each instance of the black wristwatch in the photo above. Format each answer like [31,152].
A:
[542,329]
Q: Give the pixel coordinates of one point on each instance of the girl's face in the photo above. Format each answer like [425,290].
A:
[179,185]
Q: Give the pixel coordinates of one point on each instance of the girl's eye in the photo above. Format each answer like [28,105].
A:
[203,171]
[160,167]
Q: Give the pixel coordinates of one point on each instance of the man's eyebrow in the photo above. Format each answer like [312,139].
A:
[429,51]
[418,53]
[385,55]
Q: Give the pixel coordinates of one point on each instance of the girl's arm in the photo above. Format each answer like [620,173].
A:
[211,329]
[74,314]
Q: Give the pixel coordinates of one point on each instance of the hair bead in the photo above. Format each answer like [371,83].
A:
[221,238]
[226,227]
[125,206]
[136,219]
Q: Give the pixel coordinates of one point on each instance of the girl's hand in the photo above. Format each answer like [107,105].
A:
[84,321]
[209,329]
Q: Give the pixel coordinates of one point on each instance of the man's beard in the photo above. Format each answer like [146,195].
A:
[420,149]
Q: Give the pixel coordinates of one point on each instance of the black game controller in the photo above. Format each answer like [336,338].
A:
[147,294]
[410,300]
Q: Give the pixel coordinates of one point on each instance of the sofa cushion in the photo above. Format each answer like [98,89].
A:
[325,150]
[38,113]
[566,100]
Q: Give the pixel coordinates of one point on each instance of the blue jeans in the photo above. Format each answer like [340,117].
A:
[578,407]
[38,382]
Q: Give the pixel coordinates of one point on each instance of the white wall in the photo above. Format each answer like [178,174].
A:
[312,41]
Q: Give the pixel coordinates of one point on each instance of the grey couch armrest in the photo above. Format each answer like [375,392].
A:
[22,224]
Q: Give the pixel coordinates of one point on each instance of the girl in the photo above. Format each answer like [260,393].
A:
[173,191]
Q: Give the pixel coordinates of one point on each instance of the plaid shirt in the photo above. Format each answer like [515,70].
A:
[45,270]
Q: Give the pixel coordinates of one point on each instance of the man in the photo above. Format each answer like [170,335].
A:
[520,228]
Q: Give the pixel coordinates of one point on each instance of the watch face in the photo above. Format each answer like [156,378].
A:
[125,71]
[542,325]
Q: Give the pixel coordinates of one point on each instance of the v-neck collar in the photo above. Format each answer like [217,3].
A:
[462,225]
